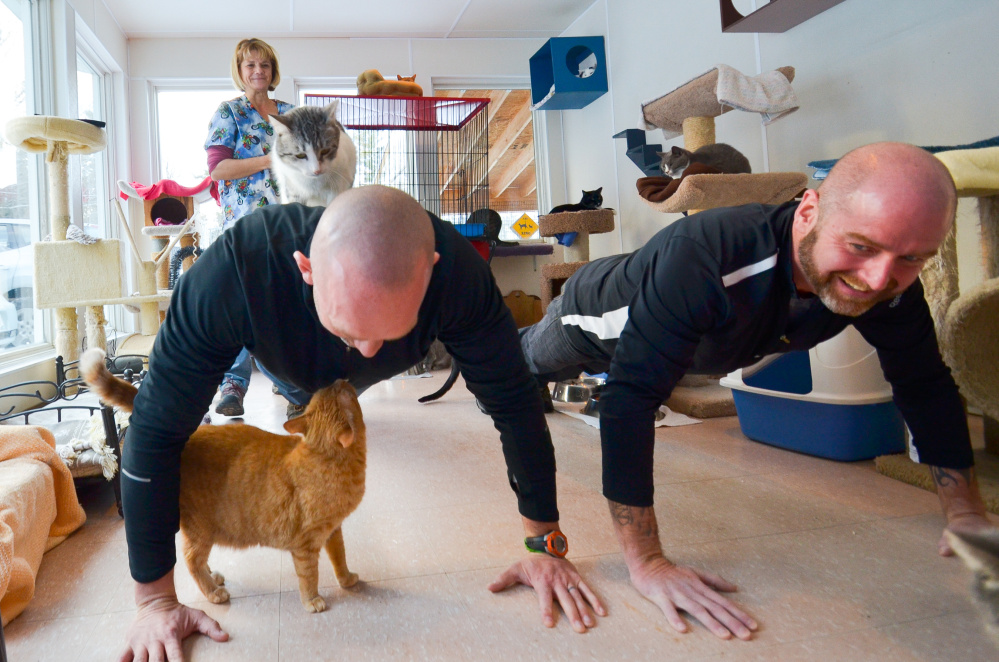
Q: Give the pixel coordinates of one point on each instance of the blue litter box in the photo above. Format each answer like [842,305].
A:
[831,401]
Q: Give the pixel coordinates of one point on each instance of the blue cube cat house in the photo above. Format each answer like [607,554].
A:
[568,73]
[831,401]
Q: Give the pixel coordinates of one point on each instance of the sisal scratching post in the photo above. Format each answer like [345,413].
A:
[58,138]
[988,216]
[698,132]
[940,280]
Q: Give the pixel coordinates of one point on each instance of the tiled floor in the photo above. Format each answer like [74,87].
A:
[835,561]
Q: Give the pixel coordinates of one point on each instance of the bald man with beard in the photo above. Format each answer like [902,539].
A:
[725,288]
[356,291]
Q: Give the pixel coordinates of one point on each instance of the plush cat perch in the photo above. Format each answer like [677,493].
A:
[58,138]
[691,109]
[707,191]
[966,324]
[584,223]
[174,203]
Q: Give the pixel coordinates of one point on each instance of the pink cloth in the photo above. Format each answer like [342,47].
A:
[170,187]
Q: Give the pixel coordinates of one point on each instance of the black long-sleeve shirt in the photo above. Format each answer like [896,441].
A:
[714,292]
[246,291]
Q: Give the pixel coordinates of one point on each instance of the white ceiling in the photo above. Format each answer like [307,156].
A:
[353,18]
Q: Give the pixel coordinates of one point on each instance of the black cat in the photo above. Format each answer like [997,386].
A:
[590,200]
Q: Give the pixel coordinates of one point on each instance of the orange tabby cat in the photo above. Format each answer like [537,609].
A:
[241,486]
[371,83]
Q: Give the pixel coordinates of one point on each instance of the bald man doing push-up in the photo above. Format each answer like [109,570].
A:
[721,290]
[358,291]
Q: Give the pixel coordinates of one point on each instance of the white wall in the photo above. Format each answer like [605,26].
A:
[918,71]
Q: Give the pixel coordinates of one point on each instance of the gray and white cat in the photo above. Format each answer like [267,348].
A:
[313,159]
[980,552]
[724,157]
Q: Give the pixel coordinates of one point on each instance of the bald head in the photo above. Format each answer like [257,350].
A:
[889,179]
[383,233]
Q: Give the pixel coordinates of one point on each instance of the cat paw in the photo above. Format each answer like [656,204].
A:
[347,580]
[218,578]
[218,596]
[315,605]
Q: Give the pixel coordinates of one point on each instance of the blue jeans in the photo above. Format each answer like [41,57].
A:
[242,368]
[293,394]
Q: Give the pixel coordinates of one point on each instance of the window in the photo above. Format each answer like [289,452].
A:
[182,118]
[94,178]
[18,185]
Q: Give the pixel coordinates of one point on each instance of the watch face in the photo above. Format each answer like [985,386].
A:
[557,544]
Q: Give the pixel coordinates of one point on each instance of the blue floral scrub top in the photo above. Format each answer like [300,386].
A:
[237,125]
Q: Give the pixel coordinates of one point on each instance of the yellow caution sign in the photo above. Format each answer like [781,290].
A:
[524,226]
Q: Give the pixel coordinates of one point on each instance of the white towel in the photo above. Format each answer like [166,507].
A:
[769,94]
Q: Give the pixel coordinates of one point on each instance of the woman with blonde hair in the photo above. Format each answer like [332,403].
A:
[239,143]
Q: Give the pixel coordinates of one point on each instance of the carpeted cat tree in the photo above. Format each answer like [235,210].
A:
[690,110]
[583,223]
[67,273]
[74,270]
[967,323]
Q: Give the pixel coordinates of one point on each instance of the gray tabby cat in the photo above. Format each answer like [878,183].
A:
[717,155]
[314,159]
[980,552]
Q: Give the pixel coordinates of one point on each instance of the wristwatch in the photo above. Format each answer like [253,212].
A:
[553,543]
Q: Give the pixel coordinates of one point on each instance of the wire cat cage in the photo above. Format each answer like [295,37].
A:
[434,148]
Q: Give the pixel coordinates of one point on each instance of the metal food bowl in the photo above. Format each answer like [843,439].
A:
[577,390]
[592,406]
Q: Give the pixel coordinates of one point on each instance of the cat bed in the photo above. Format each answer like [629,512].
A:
[970,345]
[39,133]
[710,191]
[593,221]
[168,230]
[659,187]
[702,97]
[38,509]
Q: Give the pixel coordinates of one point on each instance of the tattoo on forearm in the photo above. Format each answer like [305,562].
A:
[642,518]
[622,514]
[952,477]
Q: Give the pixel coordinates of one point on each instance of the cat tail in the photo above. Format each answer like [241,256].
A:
[112,390]
[448,383]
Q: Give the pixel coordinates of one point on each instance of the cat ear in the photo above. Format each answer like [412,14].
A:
[332,108]
[398,76]
[297,425]
[599,190]
[347,401]
[676,151]
[280,123]
[661,154]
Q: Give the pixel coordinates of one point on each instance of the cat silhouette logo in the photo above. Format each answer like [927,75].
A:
[524,226]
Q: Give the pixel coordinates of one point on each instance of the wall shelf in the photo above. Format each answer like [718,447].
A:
[775,16]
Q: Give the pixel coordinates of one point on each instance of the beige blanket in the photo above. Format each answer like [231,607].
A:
[38,509]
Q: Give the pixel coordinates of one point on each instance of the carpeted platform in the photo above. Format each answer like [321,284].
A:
[900,467]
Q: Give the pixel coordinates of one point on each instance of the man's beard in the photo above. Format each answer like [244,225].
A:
[825,285]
